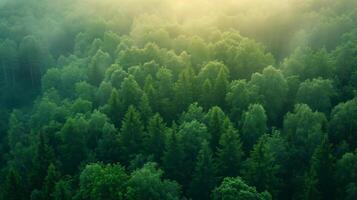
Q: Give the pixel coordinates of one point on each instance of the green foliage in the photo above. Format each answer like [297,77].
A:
[147,183]
[203,180]
[156,137]
[343,123]
[273,87]
[131,135]
[230,153]
[173,158]
[215,120]
[98,181]
[12,188]
[92,93]
[254,125]
[262,167]
[316,93]
[235,188]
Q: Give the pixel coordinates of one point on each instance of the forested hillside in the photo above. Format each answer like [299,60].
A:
[178,99]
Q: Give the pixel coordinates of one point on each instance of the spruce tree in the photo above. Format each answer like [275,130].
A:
[215,120]
[230,153]
[13,187]
[50,181]
[173,157]
[156,137]
[203,180]
[131,134]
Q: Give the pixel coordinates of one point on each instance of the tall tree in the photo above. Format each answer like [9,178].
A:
[320,175]
[73,149]
[50,181]
[114,109]
[173,157]
[131,134]
[13,188]
[230,153]
[215,120]
[317,93]
[254,125]
[156,137]
[43,158]
[273,87]
[203,179]
[262,167]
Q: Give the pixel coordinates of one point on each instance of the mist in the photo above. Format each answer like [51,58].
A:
[178,99]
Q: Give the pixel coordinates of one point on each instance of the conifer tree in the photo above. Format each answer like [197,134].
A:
[156,137]
[131,134]
[230,153]
[203,180]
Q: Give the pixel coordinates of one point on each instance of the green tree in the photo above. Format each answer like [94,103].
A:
[261,169]
[185,89]
[203,179]
[13,188]
[220,88]
[192,135]
[62,190]
[320,180]
[99,63]
[239,96]
[173,157]
[236,189]
[215,121]
[273,87]
[304,130]
[317,93]
[99,182]
[50,181]
[43,158]
[254,125]
[130,93]
[229,154]
[131,134]
[114,108]
[345,175]
[156,137]
[108,148]
[147,183]
[73,149]
[343,124]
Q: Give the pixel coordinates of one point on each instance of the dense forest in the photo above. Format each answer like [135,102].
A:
[178,99]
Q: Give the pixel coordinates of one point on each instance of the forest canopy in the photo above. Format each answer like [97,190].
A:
[178,99]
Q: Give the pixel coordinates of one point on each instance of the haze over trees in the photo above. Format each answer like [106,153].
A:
[178,99]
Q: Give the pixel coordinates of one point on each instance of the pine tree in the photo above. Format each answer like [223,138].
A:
[321,169]
[43,158]
[254,125]
[185,89]
[131,134]
[229,155]
[261,168]
[62,191]
[145,108]
[215,120]
[203,180]
[206,98]
[156,137]
[220,88]
[50,181]
[13,187]
[114,107]
[173,157]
